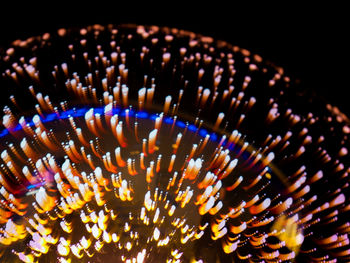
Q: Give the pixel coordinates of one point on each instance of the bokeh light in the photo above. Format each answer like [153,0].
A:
[152,144]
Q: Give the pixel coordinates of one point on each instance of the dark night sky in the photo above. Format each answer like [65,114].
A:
[311,43]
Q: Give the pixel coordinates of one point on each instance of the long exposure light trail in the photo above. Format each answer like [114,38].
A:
[147,144]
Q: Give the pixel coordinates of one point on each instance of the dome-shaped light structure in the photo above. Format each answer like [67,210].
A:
[148,144]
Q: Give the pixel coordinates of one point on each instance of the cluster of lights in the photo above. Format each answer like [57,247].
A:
[155,144]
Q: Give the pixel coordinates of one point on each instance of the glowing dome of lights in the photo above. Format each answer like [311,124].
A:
[147,144]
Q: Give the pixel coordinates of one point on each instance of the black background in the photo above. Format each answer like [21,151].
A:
[310,42]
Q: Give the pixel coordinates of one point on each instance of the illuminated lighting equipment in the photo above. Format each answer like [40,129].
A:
[141,144]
